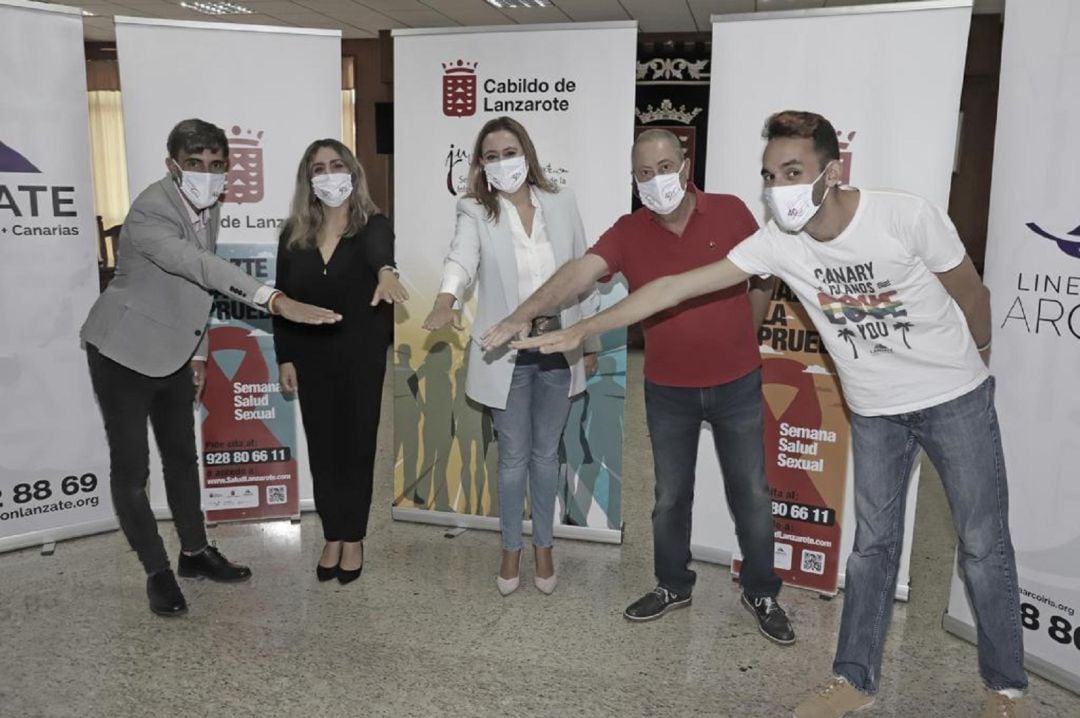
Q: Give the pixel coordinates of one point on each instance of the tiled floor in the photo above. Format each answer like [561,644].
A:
[424,633]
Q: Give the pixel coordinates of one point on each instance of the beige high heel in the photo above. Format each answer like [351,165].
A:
[507,586]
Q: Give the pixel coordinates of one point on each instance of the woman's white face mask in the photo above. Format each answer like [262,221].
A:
[333,190]
[507,175]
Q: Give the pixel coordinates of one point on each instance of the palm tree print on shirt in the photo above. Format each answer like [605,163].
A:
[903,328]
[849,336]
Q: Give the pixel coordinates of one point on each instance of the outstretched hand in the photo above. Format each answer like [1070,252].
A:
[564,340]
[302,313]
[503,332]
[441,316]
[390,290]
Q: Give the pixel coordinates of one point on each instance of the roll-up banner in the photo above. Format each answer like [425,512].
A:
[273,90]
[572,87]
[896,115]
[1033,272]
[54,464]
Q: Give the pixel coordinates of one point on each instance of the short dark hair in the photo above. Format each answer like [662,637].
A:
[194,136]
[808,126]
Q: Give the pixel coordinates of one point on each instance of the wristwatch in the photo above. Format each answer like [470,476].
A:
[392,268]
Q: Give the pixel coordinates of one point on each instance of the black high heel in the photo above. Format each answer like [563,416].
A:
[345,576]
[325,573]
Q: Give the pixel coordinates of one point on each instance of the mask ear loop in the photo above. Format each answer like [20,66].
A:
[178,180]
[827,186]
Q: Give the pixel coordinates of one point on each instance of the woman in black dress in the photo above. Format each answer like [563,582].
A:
[337,251]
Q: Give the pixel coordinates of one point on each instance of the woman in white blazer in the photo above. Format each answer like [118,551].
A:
[514,229]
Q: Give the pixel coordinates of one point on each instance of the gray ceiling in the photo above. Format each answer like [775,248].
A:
[364,18]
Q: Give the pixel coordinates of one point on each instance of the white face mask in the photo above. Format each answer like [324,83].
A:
[202,189]
[792,206]
[507,175]
[332,189]
[663,193]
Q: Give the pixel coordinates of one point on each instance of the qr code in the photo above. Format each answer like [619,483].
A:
[813,562]
[277,495]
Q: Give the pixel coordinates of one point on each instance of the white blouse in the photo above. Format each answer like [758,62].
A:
[533,253]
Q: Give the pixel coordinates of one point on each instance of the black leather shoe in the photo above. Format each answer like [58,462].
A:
[209,563]
[164,594]
[654,604]
[326,573]
[773,621]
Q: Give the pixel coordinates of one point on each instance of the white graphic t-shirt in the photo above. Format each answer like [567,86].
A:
[899,341]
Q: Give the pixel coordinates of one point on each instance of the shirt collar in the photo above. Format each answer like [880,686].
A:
[532,198]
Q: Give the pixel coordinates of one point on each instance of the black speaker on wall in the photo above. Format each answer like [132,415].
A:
[384,128]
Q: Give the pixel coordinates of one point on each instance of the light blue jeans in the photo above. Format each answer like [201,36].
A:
[529,429]
[962,440]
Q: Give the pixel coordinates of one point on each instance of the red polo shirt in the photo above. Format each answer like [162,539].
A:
[705,341]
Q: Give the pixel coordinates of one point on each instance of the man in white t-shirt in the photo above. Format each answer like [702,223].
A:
[905,318]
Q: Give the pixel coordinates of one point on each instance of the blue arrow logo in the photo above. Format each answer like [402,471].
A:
[1070,247]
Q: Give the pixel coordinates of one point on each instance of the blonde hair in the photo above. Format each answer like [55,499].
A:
[478,185]
[306,214]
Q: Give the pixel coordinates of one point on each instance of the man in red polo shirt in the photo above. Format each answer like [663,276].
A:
[701,365]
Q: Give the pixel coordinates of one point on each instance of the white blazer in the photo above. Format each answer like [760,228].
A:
[484,248]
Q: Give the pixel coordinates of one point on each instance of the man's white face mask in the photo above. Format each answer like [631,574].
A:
[792,206]
[663,193]
[202,189]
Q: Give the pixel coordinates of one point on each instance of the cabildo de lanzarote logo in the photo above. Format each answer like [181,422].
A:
[244,184]
[459,89]
[463,93]
[12,161]
[1069,244]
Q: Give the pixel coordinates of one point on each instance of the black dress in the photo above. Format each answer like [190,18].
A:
[339,368]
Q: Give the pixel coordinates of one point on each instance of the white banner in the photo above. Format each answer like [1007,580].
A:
[1033,272]
[572,87]
[54,461]
[895,111]
[273,90]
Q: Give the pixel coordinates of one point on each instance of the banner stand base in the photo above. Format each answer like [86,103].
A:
[1034,664]
[710,554]
[49,537]
[490,523]
[164,514]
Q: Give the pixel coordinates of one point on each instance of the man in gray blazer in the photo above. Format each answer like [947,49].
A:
[146,343]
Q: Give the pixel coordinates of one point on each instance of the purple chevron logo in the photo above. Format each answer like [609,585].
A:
[1069,246]
[12,161]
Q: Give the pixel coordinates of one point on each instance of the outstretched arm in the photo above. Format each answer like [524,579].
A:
[572,280]
[656,296]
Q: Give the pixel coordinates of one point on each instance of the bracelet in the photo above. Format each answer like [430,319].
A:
[270,302]
[984,347]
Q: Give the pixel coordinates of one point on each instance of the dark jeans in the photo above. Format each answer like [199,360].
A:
[735,413]
[341,408]
[127,399]
[962,440]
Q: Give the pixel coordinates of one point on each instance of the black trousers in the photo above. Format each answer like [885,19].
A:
[127,399]
[341,407]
